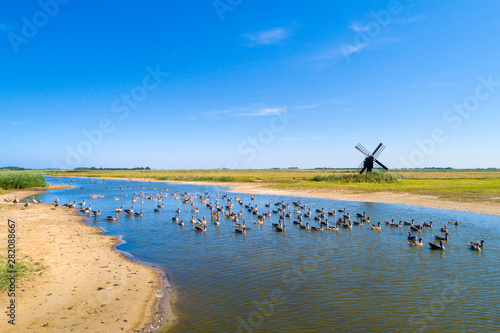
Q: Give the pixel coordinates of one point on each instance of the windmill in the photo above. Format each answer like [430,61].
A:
[371,159]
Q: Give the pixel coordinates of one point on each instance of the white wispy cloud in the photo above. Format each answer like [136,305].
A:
[262,112]
[409,20]
[14,123]
[268,37]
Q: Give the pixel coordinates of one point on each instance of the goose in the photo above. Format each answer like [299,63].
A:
[304,227]
[441,238]
[217,223]
[410,237]
[361,215]
[443,229]
[157,210]
[333,228]
[280,228]
[96,212]
[27,204]
[240,231]
[428,224]
[81,203]
[261,222]
[193,220]
[111,218]
[456,222]
[349,225]
[181,223]
[129,211]
[196,210]
[377,226]
[16,200]
[202,221]
[436,246]
[476,246]
[119,210]
[138,214]
[200,228]
[175,218]
[416,243]
[314,228]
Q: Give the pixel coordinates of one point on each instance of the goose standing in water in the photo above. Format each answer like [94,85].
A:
[129,211]
[436,246]
[119,210]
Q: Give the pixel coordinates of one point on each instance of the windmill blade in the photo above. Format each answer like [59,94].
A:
[378,150]
[381,165]
[361,166]
[363,150]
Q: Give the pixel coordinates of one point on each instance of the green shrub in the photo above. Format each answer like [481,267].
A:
[21,179]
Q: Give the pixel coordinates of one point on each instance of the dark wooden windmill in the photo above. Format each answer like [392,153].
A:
[371,161]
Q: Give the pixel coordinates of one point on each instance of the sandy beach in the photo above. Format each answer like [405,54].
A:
[481,207]
[87,285]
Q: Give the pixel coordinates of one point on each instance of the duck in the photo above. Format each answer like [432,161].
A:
[436,246]
[416,243]
[441,238]
[377,226]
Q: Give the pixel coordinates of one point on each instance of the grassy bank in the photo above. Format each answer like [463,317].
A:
[457,185]
[23,267]
[21,179]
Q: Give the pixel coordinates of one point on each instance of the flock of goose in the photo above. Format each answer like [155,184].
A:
[222,208]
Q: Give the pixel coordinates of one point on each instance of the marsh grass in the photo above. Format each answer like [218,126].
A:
[22,268]
[368,177]
[21,179]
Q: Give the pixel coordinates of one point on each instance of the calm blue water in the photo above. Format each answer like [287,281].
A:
[305,281]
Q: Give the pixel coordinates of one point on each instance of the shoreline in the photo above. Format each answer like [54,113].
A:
[124,294]
[490,208]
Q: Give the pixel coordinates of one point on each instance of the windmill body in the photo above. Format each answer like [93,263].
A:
[370,160]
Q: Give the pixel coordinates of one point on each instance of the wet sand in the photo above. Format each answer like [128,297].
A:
[87,285]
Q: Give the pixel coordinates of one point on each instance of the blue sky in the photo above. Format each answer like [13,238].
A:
[249,84]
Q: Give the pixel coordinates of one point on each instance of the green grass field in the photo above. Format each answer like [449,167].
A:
[457,185]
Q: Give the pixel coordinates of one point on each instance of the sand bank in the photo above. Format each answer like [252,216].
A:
[87,286]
